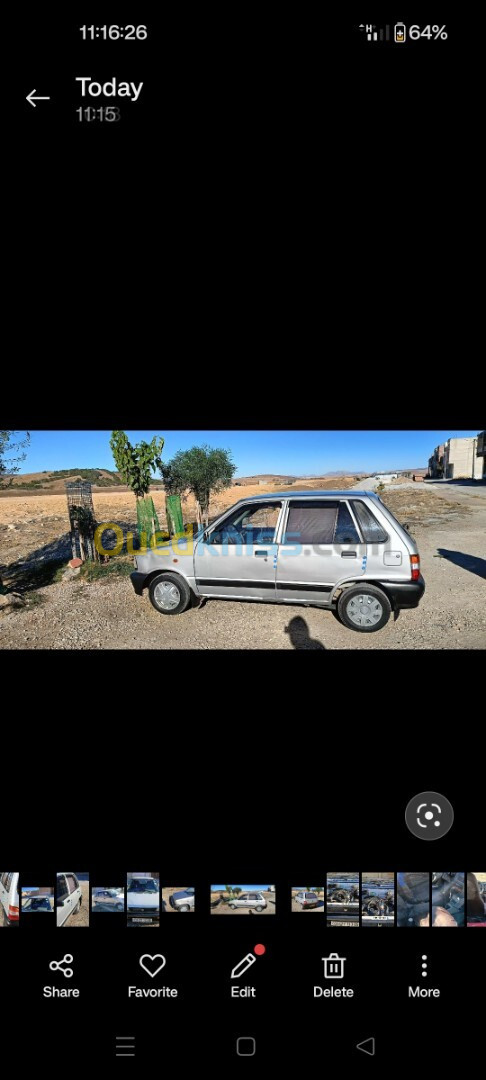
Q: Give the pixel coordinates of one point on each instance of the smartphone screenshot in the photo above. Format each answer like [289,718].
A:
[241,545]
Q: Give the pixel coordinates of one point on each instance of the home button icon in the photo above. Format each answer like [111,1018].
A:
[246,1046]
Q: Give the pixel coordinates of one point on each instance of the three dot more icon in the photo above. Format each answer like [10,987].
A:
[424,966]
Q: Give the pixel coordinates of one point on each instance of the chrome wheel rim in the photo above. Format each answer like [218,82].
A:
[364,610]
[167,595]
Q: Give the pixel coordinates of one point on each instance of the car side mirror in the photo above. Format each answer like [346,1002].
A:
[406,526]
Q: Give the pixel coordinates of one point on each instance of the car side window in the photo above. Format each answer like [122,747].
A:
[71,882]
[372,531]
[62,889]
[345,531]
[311,522]
[253,524]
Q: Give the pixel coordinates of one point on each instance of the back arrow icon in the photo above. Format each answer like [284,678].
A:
[32,100]
[367,1046]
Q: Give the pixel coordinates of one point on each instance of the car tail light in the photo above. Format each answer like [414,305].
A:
[13,912]
[415,567]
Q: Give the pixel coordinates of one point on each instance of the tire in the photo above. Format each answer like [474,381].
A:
[171,589]
[259,908]
[377,608]
[233,907]
[185,907]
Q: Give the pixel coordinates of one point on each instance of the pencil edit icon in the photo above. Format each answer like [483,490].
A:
[247,961]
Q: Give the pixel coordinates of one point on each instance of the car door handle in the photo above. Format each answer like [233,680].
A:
[349,555]
[261,553]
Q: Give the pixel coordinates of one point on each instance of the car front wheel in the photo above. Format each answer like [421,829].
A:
[364,608]
[169,593]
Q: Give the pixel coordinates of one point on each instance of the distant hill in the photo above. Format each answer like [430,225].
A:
[53,482]
[268,478]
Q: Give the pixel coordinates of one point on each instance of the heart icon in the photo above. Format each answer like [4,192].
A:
[150,968]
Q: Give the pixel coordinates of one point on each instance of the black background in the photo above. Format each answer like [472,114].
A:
[274,239]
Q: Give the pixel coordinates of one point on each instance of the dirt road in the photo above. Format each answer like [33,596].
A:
[452,614]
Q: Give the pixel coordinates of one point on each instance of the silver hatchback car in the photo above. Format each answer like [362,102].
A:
[342,550]
[249,900]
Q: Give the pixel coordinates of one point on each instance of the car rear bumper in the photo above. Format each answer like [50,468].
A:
[404,594]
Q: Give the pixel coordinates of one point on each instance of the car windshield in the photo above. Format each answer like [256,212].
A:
[43,905]
[142,885]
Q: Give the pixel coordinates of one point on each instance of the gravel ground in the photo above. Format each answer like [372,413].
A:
[452,614]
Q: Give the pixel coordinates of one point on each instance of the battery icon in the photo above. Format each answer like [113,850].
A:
[400,32]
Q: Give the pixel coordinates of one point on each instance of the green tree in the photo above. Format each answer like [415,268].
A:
[136,465]
[10,456]
[203,470]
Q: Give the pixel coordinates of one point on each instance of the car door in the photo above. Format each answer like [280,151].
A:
[320,546]
[63,901]
[237,556]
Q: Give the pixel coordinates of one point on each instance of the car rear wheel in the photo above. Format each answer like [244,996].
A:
[185,907]
[170,594]
[364,608]
[259,908]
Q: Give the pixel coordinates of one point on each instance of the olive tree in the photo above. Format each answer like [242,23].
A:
[136,465]
[202,470]
[10,456]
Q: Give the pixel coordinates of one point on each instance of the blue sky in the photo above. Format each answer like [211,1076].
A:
[292,452]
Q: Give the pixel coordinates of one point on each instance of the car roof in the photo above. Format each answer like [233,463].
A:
[309,494]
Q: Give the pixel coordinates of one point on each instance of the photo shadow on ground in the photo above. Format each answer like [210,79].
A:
[41,567]
[473,563]
[298,632]
[467,482]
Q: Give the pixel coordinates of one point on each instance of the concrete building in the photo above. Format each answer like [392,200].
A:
[481,451]
[461,461]
[436,463]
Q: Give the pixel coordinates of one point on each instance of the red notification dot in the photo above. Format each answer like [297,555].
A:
[259,950]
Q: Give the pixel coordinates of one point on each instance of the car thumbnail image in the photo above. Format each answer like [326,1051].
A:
[307,898]
[242,899]
[143,899]
[178,898]
[378,899]
[447,898]
[108,899]
[9,898]
[413,903]
[476,898]
[37,898]
[342,899]
[72,898]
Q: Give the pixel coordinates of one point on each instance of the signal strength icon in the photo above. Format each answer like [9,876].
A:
[374,33]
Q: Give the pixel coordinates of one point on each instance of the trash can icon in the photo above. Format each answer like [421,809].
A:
[334,966]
